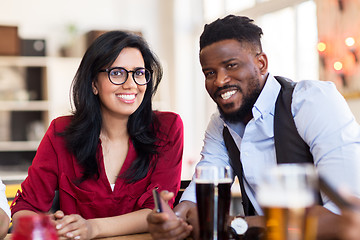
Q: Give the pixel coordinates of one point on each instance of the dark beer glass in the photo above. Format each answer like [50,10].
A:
[213,195]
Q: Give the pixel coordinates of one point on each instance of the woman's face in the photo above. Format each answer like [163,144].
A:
[121,100]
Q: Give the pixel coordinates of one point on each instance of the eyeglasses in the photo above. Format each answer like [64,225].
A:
[119,75]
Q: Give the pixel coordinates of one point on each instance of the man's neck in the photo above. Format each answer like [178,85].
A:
[247,119]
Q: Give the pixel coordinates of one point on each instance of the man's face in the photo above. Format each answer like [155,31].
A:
[233,73]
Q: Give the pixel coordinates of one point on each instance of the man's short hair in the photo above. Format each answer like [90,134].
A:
[231,27]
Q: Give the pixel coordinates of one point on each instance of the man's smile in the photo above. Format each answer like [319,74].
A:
[228,94]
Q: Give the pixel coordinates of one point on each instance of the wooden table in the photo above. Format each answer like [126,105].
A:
[141,236]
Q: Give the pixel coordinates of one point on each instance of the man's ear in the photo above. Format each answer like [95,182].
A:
[262,63]
[94,88]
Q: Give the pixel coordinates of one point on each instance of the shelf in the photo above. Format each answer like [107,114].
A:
[12,177]
[21,61]
[19,146]
[24,105]
[6,61]
[35,91]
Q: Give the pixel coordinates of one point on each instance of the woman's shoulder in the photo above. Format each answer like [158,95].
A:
[168,120]
[60,123]
[165,117]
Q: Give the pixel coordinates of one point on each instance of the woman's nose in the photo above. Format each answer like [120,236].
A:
[130,82]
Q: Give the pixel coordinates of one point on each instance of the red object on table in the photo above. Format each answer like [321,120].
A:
[34,227]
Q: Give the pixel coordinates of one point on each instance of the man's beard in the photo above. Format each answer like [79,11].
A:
[245,108]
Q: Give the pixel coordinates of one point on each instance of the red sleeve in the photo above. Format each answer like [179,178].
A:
[38,189]
[167,173]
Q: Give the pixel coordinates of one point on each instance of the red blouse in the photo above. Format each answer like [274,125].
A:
[55,168]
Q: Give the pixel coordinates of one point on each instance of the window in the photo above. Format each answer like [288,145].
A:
[290,32]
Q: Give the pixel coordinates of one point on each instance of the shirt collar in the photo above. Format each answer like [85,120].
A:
[266,101]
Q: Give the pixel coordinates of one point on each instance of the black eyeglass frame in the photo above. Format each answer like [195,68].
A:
[108,71]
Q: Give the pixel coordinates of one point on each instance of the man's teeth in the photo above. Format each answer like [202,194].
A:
[227,95]
[126,96]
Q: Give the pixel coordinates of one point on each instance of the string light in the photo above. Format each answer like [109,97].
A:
[321,46]
[350,41]
[338,66]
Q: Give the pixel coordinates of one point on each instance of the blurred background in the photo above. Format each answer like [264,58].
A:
[42,42]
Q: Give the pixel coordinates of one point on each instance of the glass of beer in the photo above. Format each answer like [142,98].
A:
[213,194]
[286,194]
[34,227]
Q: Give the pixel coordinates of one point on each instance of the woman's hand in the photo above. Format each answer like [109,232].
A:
[72,226]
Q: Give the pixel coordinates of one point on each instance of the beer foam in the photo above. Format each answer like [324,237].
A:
[276,198]
[211,181]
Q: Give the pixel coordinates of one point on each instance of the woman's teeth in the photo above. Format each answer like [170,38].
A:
[228,94]
[126,96]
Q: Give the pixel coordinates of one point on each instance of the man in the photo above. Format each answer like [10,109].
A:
[4,212]
[237,79]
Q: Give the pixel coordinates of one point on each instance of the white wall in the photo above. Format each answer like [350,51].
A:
[171,27]
[50,19]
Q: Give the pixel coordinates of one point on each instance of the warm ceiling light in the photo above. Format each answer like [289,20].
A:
[350,41]
[321,46]
[338,66]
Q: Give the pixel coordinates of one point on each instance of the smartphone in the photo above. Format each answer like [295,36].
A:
[334,196]
[157,200]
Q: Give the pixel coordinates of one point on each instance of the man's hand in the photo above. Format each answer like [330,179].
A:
[187,210]
[166,225]
[350,221]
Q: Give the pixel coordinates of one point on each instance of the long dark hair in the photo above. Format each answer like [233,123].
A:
[82,134]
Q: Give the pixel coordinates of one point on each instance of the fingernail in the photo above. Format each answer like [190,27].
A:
[58,226]
[77,237]
[69,235]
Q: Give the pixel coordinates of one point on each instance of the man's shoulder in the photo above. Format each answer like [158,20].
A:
[315,83]
[315,86]
[216,119]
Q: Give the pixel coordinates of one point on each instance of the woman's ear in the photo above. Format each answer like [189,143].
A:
[262,63]
[94,88]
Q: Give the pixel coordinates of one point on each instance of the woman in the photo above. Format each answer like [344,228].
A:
[107,157]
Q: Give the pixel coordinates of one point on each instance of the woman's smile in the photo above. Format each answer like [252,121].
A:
[127,97]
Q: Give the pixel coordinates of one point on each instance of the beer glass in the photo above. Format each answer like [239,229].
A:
[286,193]
[213,193]
[34,227]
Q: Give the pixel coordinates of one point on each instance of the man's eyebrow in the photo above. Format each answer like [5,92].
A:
[228,60]
[206,69]
[223,63]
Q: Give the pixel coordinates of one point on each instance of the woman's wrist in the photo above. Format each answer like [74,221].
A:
[93,228]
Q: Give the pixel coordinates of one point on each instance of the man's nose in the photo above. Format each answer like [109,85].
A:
[222,78]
